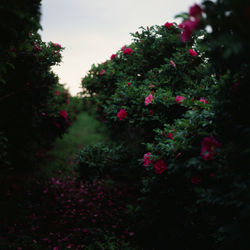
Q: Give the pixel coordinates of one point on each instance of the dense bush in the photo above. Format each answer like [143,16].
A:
[33,110]
[180,96]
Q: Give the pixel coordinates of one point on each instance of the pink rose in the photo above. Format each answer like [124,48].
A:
[208,146]
[146,159]
[172,63]
[188,26]
[64,114]
[160,167]
[203,100]
[127,51]
[113,56]
[149,99]
[179,99]
[168,25]
[170,136]
[102,72]
[195,11]
[123,48]
[129,83]
[122,114]
[192,52]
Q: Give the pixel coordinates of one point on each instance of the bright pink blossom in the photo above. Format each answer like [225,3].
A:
[168,25]
[127,51]
[123,48]
[208,147]
[122,114]
[149,99]
[170,136]
[188,27]
[113,56]
[192,52]
[172,63]
[179,99]
[129,83]
[146,159]
[195,11]
[64,114]
[160,167]
[203,100]
[102,72]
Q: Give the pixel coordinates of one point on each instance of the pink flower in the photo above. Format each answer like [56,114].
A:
[172,63]
[195,11]
[122,114]
[208,146]
[64,114]
[149,99]
[146,159]
[57,45]
[179,99]
[129,83]
[102,72]
[168,25]
[113,56]
[151,112]
[188,26]
[160,167]
[170,136]
[195,180]
[57,92]
[56,248]
[192,52]
[203,100]
[127,51]
[123,48]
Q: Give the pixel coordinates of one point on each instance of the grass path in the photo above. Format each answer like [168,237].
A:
[86,130]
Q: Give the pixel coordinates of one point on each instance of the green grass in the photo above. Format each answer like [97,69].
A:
[86,130]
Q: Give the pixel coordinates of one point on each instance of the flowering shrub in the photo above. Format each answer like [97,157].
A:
[31,101]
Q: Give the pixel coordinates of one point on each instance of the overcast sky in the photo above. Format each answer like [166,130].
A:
[92,30]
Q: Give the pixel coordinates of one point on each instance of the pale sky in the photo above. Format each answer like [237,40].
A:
[92,30]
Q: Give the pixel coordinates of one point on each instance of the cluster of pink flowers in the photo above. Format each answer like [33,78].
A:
[208,147]
[179,99]
[122,114]
[149,99]
[64,114]
[147,159]
[203,100]
[168,25]
[192,52]
[127,51]
[160,167]
[57,45]
[37,47]
[188,26]
[102,72]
